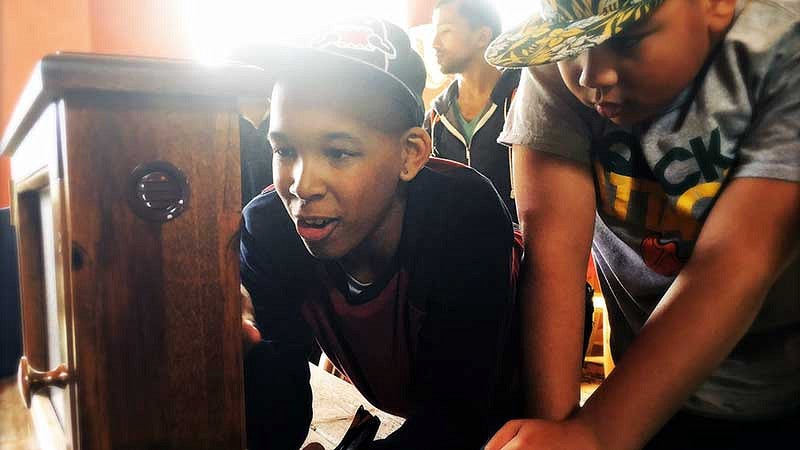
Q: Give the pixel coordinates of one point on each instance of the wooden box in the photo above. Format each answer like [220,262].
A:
[126,202]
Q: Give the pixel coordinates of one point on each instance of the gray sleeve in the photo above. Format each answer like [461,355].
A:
[772,147]
[545,116]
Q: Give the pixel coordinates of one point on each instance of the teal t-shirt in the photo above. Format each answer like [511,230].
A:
[467,128]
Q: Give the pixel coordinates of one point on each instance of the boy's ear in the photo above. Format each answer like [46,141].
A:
[719,14]
[485,36]
[416,150]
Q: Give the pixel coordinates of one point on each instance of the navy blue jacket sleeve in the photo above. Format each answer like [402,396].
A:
[277,391]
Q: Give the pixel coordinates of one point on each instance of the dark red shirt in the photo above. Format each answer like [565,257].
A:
[433,342]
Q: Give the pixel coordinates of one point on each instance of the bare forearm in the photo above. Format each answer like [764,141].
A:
[668,360]
[552,311]
[702,316]
[554,274]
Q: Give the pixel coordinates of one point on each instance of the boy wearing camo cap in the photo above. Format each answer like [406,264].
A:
[663,135]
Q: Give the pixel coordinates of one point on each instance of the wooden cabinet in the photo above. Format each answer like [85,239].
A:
[126,201]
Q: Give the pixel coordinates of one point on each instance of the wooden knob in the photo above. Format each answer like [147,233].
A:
[30,380]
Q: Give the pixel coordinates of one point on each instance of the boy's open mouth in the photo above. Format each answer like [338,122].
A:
[314,223]
[315,229]
[608,110]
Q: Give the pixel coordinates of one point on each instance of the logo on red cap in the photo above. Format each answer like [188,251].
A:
[356,37]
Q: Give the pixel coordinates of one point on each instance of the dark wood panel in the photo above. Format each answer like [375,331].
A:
[31,283]
[156,307]
[38,335]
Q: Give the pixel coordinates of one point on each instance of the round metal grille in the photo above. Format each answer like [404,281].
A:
[160,192]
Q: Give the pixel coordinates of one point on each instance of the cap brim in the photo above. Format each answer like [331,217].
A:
[542,42]
[286,62]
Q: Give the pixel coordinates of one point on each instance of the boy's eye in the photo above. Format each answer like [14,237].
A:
[339,154]
[284,152]
[442,31]
[626,44]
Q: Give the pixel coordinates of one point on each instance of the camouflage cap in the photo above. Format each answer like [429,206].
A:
[565,28]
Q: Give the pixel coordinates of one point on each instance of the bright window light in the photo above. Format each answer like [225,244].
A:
[515,12]
[217,27]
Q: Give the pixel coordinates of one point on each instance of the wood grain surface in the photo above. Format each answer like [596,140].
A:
[148,312]
[156,305]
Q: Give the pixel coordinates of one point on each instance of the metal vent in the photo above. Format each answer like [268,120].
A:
[159,191]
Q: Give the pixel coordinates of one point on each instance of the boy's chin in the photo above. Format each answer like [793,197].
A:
[622,121]
[323,252]
[641,114]
[625,120]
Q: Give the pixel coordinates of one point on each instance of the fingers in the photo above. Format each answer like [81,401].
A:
[247,304]
[504,435]
[250,334]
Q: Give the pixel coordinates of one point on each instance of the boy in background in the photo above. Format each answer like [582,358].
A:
[666,137]
[466,118]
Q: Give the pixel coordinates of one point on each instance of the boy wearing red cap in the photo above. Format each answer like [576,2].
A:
[402,268]
[665,138]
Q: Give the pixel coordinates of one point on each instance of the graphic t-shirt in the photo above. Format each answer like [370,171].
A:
[655,186]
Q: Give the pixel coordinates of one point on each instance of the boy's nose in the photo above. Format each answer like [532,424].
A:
[597,68]
[437,42]
[306,182]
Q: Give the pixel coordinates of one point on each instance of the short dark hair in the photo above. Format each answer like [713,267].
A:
[479,13]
